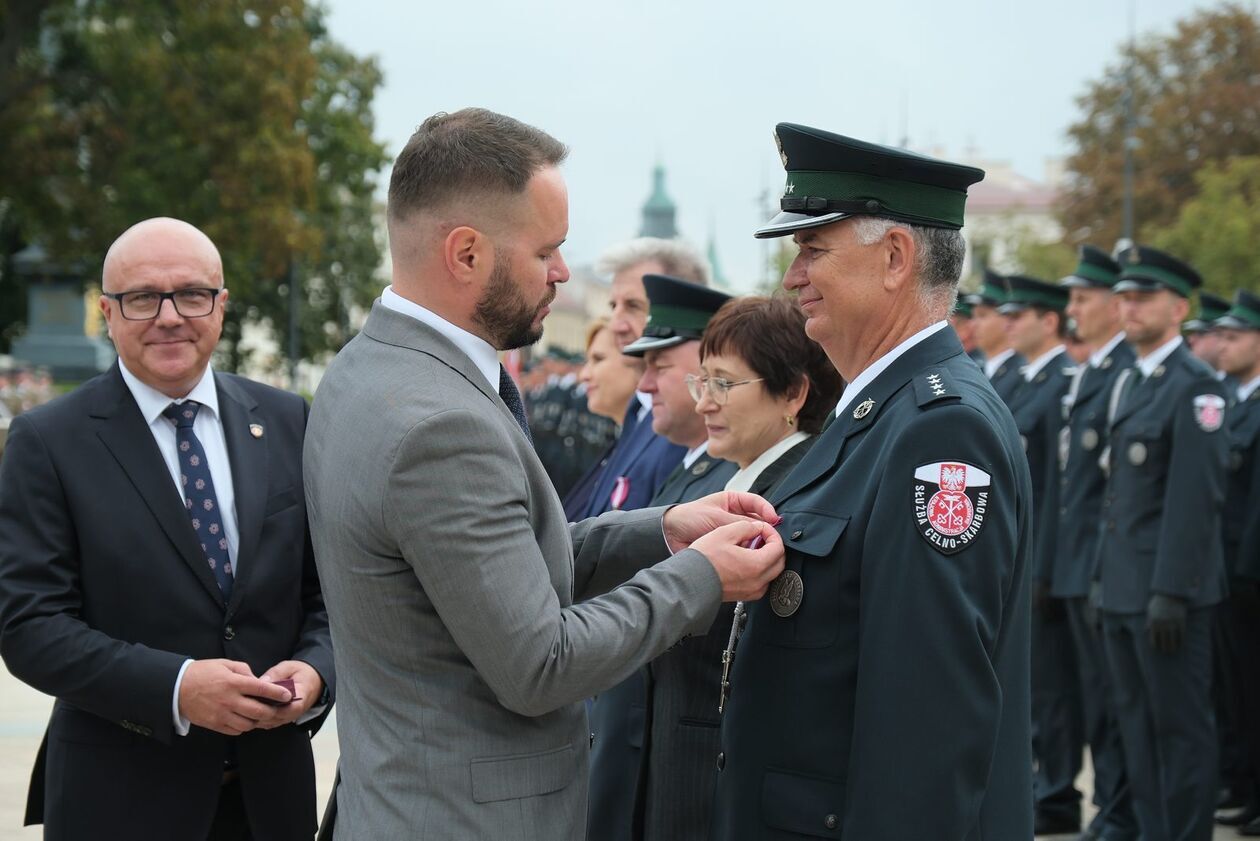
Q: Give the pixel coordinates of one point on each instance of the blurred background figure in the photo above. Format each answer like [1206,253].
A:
[1001,362]
[961,320]
[1201,333]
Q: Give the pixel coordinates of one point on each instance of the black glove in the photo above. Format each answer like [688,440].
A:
[1045,605]
[1166,622]
[1093,607]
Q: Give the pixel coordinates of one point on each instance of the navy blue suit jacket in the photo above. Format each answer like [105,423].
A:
[640,456]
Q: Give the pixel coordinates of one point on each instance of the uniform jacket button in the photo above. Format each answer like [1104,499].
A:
[831,822]
[229,633]
[796,535]
[721,761]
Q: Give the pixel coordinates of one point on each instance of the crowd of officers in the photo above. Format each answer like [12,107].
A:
[1146,616]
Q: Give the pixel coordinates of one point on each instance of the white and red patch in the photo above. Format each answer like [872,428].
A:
[1209,411]
[951,503]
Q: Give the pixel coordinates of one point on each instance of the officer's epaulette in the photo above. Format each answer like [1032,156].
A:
[933,385]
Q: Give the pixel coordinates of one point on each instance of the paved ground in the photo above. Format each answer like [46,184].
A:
[23,713]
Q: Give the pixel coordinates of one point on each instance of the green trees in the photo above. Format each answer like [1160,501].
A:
[241,116]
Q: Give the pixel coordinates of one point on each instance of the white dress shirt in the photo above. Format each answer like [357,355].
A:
[1245,391]
[993,363]
[694,453]
[1148,364]
[208,427]
[1033,368]
[478,350]
[862,380]
[745,476]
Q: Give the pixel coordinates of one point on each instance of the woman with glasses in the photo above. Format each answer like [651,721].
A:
[765,389]
[610,378]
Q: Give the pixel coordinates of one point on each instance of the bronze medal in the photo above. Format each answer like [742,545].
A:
[786,593]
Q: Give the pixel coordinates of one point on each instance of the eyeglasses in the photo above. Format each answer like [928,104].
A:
[145,306]
[718,388]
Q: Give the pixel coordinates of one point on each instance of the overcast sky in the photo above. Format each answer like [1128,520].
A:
[700,84]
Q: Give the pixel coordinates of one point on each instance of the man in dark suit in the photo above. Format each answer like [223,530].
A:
[1076,525]
[1160,557]
[1001,361]
[1036,325]
[156,575]
[881,689]
[670,345]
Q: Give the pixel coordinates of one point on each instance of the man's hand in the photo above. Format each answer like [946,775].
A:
[220,695]
[1166,623]
[686,523]
[309,687]
[745,573]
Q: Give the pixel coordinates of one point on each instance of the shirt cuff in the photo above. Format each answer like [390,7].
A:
[182,725]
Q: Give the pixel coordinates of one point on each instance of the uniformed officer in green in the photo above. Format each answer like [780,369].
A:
[1160,555]
[1238,625]
[881,689]
[1001,361]
[1075,526]
[1200,331]
[1036,326]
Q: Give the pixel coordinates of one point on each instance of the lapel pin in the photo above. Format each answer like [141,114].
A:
[864,408]
[256,430]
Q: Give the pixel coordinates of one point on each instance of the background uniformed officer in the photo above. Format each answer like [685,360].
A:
[880,690]
[1160,555]
[1238,620]
[1001,361]
[1096,313]
[1036,326]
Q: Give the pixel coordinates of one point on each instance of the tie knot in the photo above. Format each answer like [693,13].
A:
[182,414]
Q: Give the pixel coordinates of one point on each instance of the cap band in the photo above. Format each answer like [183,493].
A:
[862,193]
[1155,274]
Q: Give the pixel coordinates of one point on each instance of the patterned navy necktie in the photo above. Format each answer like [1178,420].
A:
[199,496]
[512,399]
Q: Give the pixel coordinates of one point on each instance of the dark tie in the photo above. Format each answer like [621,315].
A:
[199,496]
[512,399]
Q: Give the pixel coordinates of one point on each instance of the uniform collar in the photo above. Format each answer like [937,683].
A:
[694,454]
[1247,389]
[1033,368]
[864,379]
[1097,358]
[992,364]
[153,402]
[477,349]
[1148,364]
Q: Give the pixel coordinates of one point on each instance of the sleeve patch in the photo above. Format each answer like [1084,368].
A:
[1209,411]
[951,503]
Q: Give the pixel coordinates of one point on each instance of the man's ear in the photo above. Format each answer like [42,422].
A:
[899,255]
[468,254]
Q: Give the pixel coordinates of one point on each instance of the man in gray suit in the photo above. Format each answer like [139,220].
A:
[452,579]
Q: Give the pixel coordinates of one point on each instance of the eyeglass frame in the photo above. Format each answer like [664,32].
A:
[163,297]
[699,386]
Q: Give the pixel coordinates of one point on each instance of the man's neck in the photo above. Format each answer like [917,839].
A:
[1106,337]
[1145,349]
[853,360]
[444,310]
[994,350]
[1042,349]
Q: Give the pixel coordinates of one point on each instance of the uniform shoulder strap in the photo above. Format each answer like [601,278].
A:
[935,385]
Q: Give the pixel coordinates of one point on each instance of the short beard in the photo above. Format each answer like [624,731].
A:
[503,312]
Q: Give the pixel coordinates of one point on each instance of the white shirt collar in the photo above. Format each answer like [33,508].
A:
[1148,364]
[1099,356]
[153,402]
[695,453]
[993,363]
[1245,390]
[477,349]
[645,403]
[862,380]
[745,476]
[1033,368]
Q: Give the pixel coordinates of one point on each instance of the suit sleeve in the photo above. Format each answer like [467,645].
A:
[1193,494]
[939,635]
[43,638]
[472,545]
[314,645]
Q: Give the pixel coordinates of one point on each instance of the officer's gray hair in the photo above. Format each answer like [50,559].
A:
[677,258]
[938,261]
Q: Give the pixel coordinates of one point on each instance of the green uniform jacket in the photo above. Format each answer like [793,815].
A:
[893,702]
